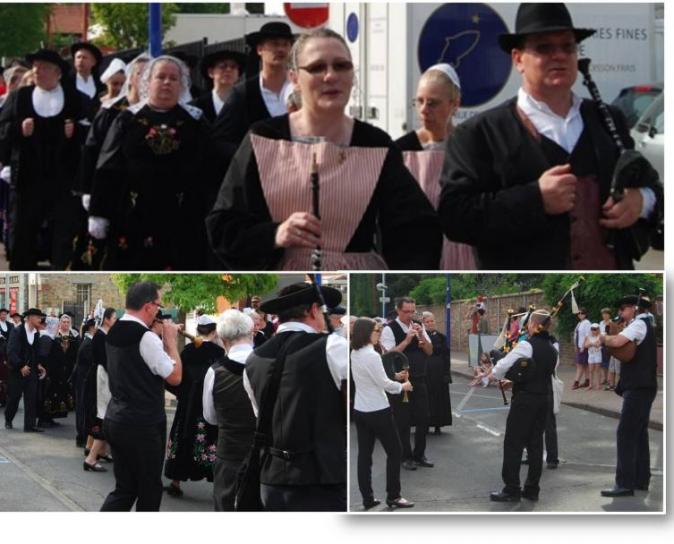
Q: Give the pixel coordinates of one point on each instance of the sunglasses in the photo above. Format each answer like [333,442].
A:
[321,68]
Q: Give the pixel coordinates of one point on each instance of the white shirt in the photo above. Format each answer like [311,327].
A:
[522,349]
[218,103]
[30,334]
[275,102]
[86,86]
[388,341]
[566,131]
[371,380]
[336,354]
[636,330]
[152,351]
[238,353]
[48,103]
[3,326]
[583,329]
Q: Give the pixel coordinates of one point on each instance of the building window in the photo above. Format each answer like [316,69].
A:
[84,296]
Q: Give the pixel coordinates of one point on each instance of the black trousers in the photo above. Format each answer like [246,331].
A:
[26,387]
[372,426]
[139,458]
[225,474]
[524,429]
[304,498]
[402,420]
[551,448]
[634,458]
[80,421]
[419,413]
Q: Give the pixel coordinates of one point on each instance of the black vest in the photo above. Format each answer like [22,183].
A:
[309,419]
[545,358]
[137,394]
[236,420]
[641,372]
[415,354]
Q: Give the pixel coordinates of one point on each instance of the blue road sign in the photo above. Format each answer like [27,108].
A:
[465,36]
[352,27]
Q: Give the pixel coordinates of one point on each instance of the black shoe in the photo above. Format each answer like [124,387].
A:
[367,505]
[8,425]
[530,495]
[502,496]
[423,462]
[94,468]
[525,461]
[174,490]
[437,431]
[553,464]
[641,487]
[409,465]
[107,458]
[618,492]
[400,502]
[33,430]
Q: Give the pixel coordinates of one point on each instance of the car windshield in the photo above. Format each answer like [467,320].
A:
[654,117]
[634,101]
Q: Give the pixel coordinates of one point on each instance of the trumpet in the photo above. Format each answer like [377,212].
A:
[196,340]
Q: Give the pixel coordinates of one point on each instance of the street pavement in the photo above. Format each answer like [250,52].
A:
[44,473]
[468,455]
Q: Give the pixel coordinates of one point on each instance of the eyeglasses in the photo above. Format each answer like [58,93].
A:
[157,304]
[378,330]
[420,103]
[321,68]
[548,49]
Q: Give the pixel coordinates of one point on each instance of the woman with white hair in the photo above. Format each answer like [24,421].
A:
[190,450]
[437,100]
[153,177]
[226,404]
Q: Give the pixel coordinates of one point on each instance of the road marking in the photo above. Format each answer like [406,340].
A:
[464,400]
[495,408]
[3,460]
[42,482]
[487,429]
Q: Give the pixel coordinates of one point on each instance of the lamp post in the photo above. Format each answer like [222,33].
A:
[155,28]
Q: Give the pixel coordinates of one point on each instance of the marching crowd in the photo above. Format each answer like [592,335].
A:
[151,177]
[231,413]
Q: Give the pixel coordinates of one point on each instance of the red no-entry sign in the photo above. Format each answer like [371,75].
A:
[307,15]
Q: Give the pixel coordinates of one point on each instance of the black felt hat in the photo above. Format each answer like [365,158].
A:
[270,31]
[95,51]
[4,310]
[337,310]
[538,18]
[633,300]
[299,294]
[210,60]
[395,360]
[34,311]
[48,55]
[89,323]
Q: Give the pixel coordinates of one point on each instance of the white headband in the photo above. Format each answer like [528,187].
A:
[116,65]
[448,71]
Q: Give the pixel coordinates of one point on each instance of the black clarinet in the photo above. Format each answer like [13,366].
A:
[316,256]
[324,306]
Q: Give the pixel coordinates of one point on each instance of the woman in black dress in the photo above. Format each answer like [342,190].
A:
[373,213]
[438,377]
[154,176]
[192,441]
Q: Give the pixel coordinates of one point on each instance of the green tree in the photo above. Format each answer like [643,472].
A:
[23,28]
[126,25]
[189,291]
[202,7]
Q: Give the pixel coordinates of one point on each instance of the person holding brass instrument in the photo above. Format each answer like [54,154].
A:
[373,415]
[545,161]
[138,364]
[529,366]
[638,386]
[409,337]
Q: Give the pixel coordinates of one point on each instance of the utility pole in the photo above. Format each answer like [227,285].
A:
[155,29]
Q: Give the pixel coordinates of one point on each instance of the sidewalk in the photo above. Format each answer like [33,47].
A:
[602,402]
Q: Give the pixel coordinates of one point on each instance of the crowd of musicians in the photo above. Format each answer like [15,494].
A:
[260,398]
[401,369]
[155,176]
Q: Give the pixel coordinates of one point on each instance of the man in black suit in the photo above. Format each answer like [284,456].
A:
[260,96]
[5,328]
[222,71]
[24,370]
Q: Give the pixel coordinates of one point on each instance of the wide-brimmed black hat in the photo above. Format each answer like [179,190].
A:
[633,300]
[34,311]
[48,55]
[270,31]
[4,310]
[538,18]
[337,310]
[396,360]
[95,51]
[299,294]
[89,323]
[16,314]
[210,60]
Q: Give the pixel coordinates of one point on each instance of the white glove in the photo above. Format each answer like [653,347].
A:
[98,227]
[6,174]
[86,200]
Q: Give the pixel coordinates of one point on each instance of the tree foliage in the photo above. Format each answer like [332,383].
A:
[23,28]
[202,7]
[126,25]
[189,291]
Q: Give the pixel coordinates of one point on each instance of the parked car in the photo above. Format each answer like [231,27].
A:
[649,134]
[633,101]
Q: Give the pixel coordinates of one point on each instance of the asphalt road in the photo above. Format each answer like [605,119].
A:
[44,473]
[468,455]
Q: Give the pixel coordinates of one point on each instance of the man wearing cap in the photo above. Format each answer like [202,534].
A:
[6,327]
[531,402]
[304,467]
[542,163]
[262,95]
[222,71]
[638,386]
[138,364]
[24,371]
[38,139]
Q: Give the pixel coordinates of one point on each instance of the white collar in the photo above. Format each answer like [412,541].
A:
[129,317]
[528,104]
[295,326]
[239,353]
